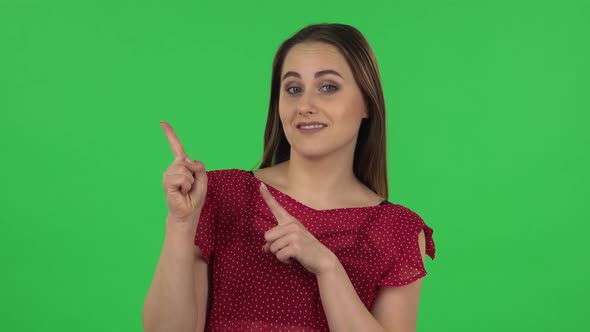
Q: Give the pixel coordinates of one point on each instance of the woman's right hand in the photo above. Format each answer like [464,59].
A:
[185,184]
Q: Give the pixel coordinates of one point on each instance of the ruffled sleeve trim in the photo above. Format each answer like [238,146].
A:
[408,264]
[205,236]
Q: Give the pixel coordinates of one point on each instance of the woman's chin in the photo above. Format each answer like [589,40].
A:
[311,152]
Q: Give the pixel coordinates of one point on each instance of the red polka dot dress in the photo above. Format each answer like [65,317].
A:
[254,291]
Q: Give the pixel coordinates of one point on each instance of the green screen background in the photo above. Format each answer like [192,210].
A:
[487,119]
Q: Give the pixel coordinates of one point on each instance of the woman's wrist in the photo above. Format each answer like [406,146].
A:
[180,229]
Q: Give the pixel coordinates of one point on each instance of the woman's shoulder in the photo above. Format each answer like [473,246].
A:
[401,215]
[227,176]
[393,219]
[227,173]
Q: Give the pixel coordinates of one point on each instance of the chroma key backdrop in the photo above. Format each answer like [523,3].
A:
[488,141]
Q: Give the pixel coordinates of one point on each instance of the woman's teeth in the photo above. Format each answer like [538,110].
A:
[312,126]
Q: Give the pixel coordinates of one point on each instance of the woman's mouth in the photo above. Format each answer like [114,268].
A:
[310,129]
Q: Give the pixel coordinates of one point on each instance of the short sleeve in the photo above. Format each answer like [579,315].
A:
[208,220]
[407,265]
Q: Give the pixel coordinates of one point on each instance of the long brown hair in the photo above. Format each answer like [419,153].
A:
[370,156]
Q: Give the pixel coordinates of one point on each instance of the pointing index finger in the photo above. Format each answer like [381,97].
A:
[277,210]
[175,144]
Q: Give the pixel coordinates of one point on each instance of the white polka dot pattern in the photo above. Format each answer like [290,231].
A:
[254,291]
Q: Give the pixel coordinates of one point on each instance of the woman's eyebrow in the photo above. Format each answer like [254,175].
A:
[316,75]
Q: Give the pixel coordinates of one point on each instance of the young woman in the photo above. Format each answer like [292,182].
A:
[309,241]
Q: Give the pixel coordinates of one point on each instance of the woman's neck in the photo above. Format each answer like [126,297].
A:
[318,180]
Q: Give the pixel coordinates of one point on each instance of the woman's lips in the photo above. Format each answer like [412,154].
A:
[310,131]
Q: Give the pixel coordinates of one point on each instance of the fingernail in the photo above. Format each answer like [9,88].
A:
[190,161]
[262,248]
[263,186]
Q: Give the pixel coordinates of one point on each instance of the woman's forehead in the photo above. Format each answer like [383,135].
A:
[309,58]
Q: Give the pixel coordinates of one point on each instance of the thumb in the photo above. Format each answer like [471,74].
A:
[200,175]
[266,247]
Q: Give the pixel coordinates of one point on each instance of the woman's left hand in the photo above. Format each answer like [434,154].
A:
[290,239]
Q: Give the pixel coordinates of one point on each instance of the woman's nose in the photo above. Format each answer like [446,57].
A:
[304,108]
[305,104]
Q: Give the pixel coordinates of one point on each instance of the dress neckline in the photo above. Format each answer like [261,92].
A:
[383,203]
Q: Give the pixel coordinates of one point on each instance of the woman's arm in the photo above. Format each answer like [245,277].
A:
[177,298]
[394,310]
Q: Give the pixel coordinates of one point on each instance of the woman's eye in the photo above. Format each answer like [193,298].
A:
[290,90]
[334,88]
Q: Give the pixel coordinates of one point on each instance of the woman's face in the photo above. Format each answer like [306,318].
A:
[317,85]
